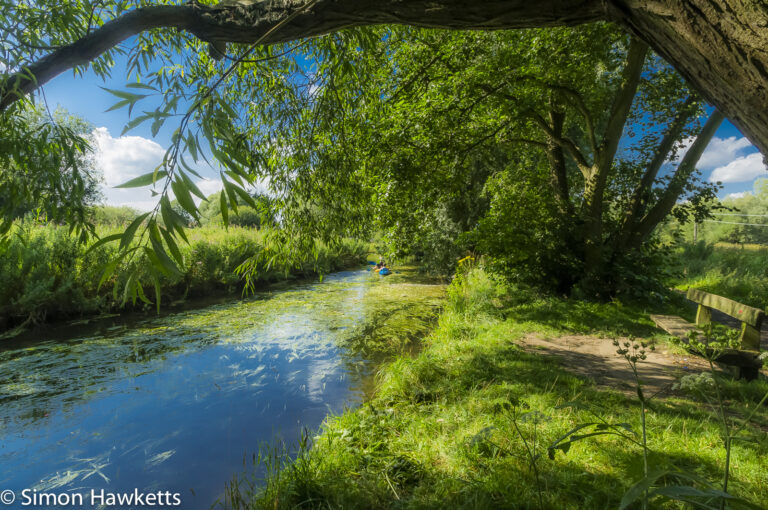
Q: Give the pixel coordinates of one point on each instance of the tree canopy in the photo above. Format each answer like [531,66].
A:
[718,45]
[383,127]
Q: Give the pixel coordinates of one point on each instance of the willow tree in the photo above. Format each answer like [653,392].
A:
[718,45]
[429,113]
[206,65]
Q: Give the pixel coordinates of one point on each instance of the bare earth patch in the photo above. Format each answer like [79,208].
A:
[596,358]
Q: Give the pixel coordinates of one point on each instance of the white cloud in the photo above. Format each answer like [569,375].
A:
[740,194]
[121,159]
[742,169]
[209,186]
[719,152]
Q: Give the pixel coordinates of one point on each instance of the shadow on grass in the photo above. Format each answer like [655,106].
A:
[439,438]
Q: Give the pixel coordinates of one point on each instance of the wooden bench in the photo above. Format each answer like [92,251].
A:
[746,359]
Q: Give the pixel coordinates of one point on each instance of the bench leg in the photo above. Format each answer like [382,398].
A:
[748,373]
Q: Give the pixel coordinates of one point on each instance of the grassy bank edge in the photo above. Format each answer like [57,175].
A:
[46,276]
[460,424]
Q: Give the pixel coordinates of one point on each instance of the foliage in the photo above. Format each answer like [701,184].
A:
[114,216]
[455,426]
[389,128]
[741,220]
[246,215]
[47,169]
[46,274]
[733,271]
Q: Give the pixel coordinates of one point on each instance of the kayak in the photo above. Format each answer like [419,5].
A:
[384,271]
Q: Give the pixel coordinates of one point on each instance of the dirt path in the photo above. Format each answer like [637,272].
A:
[596,358]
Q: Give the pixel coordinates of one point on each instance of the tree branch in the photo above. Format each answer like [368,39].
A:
[622,103]
[581,107]
[558,171]
[671,136]
[239,23]
[684,170]
[566,143]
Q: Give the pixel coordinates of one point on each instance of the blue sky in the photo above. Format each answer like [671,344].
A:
[730,157]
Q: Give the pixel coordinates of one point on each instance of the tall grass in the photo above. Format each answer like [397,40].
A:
[465,423]
[46,275]
[734,271]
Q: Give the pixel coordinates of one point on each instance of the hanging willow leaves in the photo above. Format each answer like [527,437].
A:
[144,180]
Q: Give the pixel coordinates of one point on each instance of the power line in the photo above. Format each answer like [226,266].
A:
[739,214]
[738,223]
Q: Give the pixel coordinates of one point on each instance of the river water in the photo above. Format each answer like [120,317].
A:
[176,403]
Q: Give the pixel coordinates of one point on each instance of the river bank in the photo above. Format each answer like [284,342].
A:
[47,276]
[176,402]
[468,422]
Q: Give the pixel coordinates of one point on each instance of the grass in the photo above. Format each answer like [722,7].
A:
[46,275]
[734,271]
[466,423]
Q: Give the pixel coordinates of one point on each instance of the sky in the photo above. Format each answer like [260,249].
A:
[729,158]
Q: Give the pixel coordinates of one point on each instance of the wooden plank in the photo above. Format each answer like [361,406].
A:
[674,325]
[747,360]
[752,316]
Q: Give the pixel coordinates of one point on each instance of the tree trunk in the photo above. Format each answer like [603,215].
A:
[720,46]
[597,178]
[558,171]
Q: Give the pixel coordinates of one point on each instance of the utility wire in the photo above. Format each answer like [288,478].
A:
[738,223]
[739,214]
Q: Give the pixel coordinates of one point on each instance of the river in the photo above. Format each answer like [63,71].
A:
[177,402]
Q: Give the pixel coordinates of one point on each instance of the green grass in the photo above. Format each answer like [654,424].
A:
[45,274]
[456,426]
[734,271]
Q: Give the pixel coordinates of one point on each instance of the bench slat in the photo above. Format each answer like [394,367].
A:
[752,316]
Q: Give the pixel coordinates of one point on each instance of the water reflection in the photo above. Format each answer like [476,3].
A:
[174,403]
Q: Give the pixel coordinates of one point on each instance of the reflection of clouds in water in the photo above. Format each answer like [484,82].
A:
[81,470]
[223,378]
[317,375]
[160,457]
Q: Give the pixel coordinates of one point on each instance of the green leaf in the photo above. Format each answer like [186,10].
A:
[130,287]
[224,208]
[137,85]
[118,105]
[130,232]
[184,198]
[144,180]
[172,246]
[109,269]
[135,122]
[125,95]
[167,265]
[141,294]
[156,125]
[104,240]
[248,199]
[637,491]
[192,147]
[192,186]
[229,189]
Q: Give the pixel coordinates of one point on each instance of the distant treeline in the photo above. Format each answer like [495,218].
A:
[744,220]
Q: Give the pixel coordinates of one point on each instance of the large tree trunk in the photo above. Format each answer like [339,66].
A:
[720,46]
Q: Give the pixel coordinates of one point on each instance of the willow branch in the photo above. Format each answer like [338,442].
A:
[247,23]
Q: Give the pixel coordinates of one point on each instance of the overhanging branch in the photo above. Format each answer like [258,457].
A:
[248,23]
